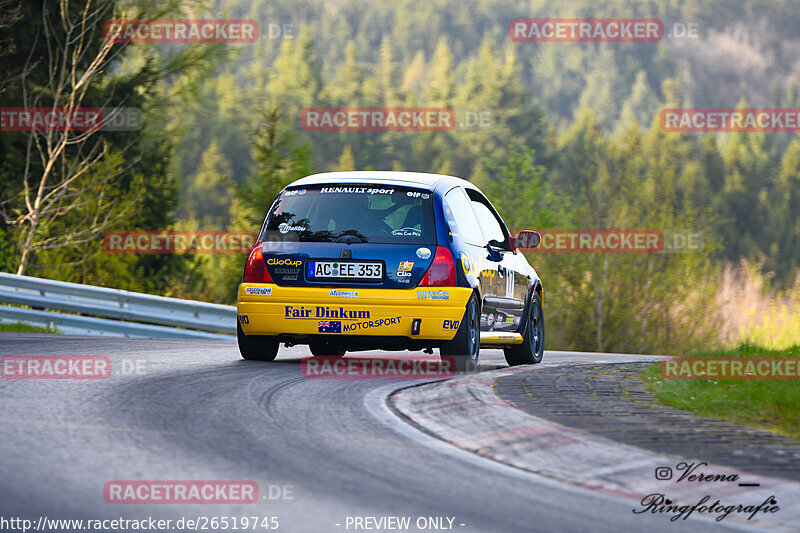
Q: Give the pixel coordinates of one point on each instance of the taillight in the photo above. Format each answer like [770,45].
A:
[442,272]
[255,271]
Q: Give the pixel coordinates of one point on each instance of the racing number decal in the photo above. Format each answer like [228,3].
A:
[509,283]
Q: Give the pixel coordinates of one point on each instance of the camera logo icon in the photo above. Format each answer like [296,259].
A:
[663,473]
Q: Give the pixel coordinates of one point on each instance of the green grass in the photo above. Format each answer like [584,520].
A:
[772,405]
[25,328]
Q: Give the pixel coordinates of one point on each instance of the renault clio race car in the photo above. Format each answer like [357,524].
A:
[348,261]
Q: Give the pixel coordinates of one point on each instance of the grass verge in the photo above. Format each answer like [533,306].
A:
[773,405]
[26,328]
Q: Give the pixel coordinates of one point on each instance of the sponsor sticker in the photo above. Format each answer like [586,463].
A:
[407,232]
[433,295]
[406,266]
[286,274]
[466,262]
[320,311]
[404,269]
[423,253]
[275,261]
[354,190]
[263,291]
[329,326]
[344,294]
[286,228]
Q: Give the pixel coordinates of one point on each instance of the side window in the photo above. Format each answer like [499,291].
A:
[489,225]
[460,217]
[489,222]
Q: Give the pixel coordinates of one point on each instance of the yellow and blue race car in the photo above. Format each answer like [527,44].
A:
[349,261]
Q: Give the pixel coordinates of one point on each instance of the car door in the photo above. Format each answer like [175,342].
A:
[505,304]
[471,248]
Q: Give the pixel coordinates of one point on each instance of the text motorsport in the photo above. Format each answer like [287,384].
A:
[334,367]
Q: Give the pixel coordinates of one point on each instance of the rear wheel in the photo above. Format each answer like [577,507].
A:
[465,346]
[256,347]
[531,350]
[320,349]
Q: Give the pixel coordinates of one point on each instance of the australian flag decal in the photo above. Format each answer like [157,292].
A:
[330,326]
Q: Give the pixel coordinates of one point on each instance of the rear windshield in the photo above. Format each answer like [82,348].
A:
[353,213]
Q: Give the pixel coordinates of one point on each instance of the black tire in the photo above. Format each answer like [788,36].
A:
[256,347]
[531,350]
[326,349]
[466,345]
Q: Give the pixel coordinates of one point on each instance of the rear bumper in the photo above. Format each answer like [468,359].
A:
[335,312]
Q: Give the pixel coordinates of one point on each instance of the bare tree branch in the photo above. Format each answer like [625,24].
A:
[64,181]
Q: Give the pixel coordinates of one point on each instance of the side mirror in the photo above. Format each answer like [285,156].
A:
[527,239]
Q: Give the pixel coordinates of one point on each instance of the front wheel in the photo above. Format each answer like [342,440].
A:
[465,346]
[256,347]
[531,350]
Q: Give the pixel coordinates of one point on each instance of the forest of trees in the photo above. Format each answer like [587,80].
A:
[574,141]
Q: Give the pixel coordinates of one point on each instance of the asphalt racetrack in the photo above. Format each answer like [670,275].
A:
[328,455]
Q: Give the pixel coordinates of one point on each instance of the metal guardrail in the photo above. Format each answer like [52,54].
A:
[136,314]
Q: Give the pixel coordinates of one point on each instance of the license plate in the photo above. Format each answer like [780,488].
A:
[346,270]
